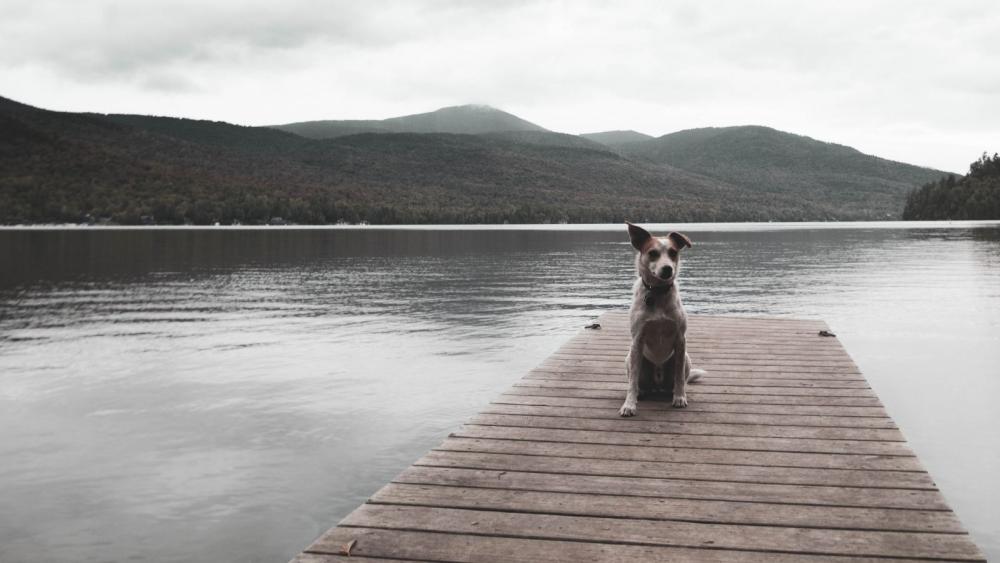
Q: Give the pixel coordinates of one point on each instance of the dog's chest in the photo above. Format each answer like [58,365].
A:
[658,337]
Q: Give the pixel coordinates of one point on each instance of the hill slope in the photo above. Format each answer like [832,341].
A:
[68,167]
[973,196]
[766,160]
[71,167]
[469,119]
[616,138]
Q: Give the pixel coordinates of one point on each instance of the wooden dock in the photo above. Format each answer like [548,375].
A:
[785,454]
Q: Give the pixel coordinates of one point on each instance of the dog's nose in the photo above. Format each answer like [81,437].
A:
[666,272]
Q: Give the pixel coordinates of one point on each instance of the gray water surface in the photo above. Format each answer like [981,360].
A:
[229,394]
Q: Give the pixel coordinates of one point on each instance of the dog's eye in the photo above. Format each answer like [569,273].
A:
[654,255]
[672,253]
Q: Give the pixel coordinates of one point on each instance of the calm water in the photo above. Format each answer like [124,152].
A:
[227,395]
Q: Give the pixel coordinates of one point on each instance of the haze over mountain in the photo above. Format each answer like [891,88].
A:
[72,167]
[616,138]
[468,119]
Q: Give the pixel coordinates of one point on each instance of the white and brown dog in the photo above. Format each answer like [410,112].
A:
[657,321]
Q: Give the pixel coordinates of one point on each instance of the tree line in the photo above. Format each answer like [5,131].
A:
[973,196]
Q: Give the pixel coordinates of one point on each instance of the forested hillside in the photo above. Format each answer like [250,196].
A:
[767,161]
[973,196]
[74,167]
[616,138]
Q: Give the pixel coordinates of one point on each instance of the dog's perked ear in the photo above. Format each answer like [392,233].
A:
[638,235]
[680,240]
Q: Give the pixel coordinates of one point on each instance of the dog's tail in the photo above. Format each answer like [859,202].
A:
[696,374]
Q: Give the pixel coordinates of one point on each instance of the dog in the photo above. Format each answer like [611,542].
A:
[657,321]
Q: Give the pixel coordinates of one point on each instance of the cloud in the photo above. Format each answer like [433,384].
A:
[110,39]
[907,80]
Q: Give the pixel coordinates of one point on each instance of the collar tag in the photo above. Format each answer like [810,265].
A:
[652,291]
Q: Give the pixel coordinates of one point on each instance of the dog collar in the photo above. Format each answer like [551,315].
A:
[654,290]
[657,288]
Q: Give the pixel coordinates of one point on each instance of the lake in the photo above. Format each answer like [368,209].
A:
[228,394]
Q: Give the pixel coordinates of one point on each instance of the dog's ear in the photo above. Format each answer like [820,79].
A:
[638,235]
[680,240]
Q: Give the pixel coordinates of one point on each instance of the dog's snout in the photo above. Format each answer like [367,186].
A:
[666,272]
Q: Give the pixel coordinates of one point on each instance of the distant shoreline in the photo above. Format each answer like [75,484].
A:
[735,226]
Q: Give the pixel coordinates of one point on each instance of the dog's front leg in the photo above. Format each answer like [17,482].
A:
[681,371]
[633,365]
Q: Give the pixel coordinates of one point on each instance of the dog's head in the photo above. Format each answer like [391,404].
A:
[659,258]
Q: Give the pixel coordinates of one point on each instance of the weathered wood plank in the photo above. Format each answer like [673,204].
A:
[702,348]
[704,357]
[667,533]
[628,486]
[712,360]
[713,380]
[703,345]
[705,389]
[764,330]
[682,455]
[613,423]
[618,352]
[745,366]
[774,411]
[717,343]
[719,324]
[307,557]
[610,410]
[539,434]
[683,510]
[695,330]
[618,373]
[695,394]
[476,548]
[691,471]
[725,335]
[785,453]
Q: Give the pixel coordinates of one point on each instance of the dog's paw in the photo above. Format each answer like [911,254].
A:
[628,409]
[680,402]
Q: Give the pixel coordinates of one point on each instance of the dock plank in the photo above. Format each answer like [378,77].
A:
[610,409]
[681,455]
[628,486]
[407,545]
[680,510]
[634,436]
[675,470]
[778,410]
[695,393]
[710,389]
[667,533]
[697,428]
[784,454]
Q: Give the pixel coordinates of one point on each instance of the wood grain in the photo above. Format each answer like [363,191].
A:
[784,454]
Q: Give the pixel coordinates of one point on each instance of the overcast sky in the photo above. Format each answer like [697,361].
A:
[912,81]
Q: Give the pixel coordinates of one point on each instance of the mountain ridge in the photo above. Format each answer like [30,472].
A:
[81,167]
[617,137]
[471,119]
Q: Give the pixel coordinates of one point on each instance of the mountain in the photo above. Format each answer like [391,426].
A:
[76,167]
[616,138]
[469,119]
[765,160]
[71,167]
[548,138]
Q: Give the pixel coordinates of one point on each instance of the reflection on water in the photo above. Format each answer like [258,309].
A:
[184,395]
